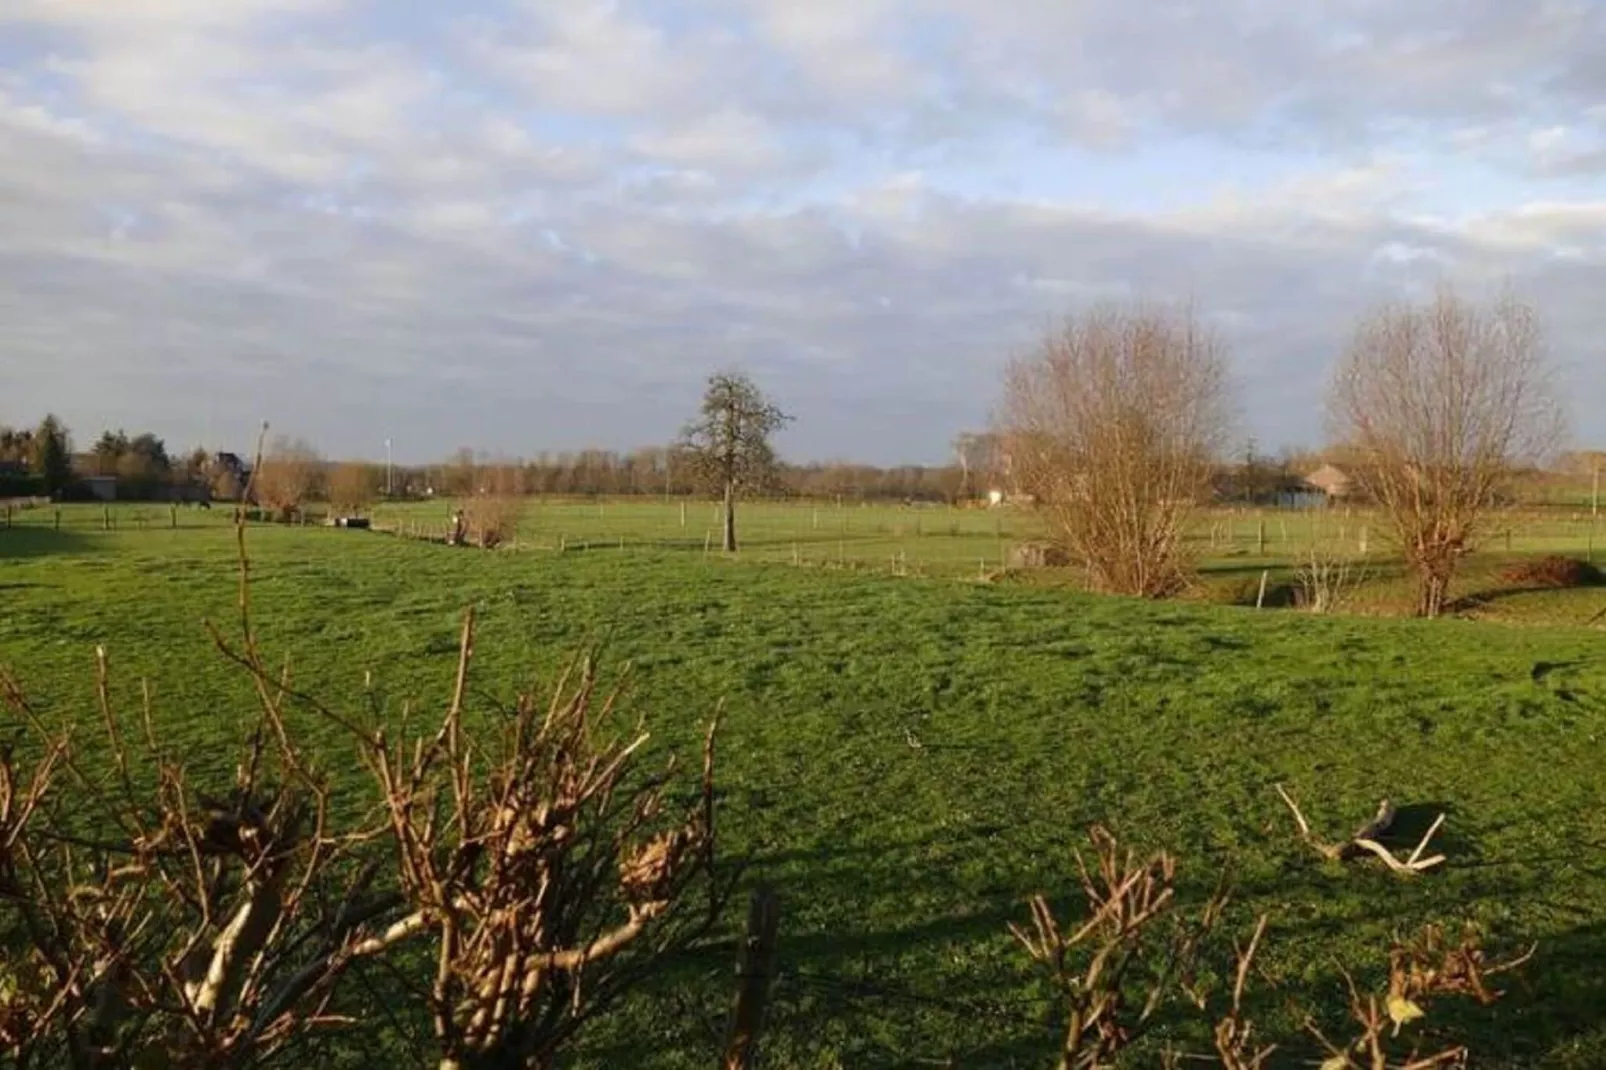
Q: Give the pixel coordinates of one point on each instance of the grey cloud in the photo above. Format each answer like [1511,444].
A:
[362,241]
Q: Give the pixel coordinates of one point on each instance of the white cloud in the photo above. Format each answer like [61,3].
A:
[726,139]
[539,224]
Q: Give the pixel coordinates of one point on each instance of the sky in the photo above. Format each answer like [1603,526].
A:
[526,225]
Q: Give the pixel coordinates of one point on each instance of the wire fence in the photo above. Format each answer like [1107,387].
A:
[903,539]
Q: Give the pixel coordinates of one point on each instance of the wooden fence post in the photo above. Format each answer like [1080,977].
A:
[1260,537]
[172,515]
[105,518]
[755,968]
[58,519]
[1260,599]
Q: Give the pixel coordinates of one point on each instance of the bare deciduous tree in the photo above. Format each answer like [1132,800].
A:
[973,453]
[1441,402]
[284,479]
[1113,425]
[352,487]
[728,446]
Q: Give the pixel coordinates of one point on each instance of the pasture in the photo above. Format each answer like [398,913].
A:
[908,758]
[1233,546]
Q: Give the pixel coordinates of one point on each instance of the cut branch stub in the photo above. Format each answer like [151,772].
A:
[1365,840]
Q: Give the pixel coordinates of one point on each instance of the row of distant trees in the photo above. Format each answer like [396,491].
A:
[41,461]
[667,471]
[35,460]
[146,470]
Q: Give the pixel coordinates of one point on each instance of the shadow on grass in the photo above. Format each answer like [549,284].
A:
[1484,599]
[27,541]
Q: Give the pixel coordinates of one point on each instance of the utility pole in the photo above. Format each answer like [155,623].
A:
[389,485]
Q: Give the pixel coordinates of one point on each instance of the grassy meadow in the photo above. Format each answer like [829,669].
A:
[908,758]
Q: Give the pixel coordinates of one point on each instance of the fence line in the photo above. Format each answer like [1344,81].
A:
[900,540]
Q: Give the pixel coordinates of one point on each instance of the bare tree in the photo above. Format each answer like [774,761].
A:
[729,445]
[352,487]
[971,452]
[1113,424]
[284,479]
[1441,402]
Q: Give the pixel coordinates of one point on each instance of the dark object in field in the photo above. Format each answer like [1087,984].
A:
[1365,840]
[1038,555]
[353,522]
[1552,571]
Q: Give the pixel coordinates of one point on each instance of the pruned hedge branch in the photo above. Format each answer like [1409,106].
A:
[149,922]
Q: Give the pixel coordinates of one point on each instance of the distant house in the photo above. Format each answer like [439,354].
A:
[1331,481]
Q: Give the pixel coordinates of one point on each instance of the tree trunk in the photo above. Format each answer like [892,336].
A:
[730,516]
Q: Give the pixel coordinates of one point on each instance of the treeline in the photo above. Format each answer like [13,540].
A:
[35,461]
[41,462]
[659,471]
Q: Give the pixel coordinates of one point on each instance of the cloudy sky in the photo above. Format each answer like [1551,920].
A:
[538,224]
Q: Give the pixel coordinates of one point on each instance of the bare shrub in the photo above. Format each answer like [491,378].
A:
[1423,969]
[547,878]
[165,925]
[284,477]
[352,488]
[1115,969]
[1441,403]
[1112,425]
[1327,580]
[148,922]
[489,520]
[490,516]
[1134,951]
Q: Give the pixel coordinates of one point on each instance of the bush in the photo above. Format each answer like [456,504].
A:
[1326,582]
[1553,571]
[490,520]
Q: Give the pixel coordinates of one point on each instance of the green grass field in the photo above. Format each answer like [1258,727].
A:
[1037,710]
[1234,547]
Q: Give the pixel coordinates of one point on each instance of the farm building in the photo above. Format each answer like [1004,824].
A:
[1332,481]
